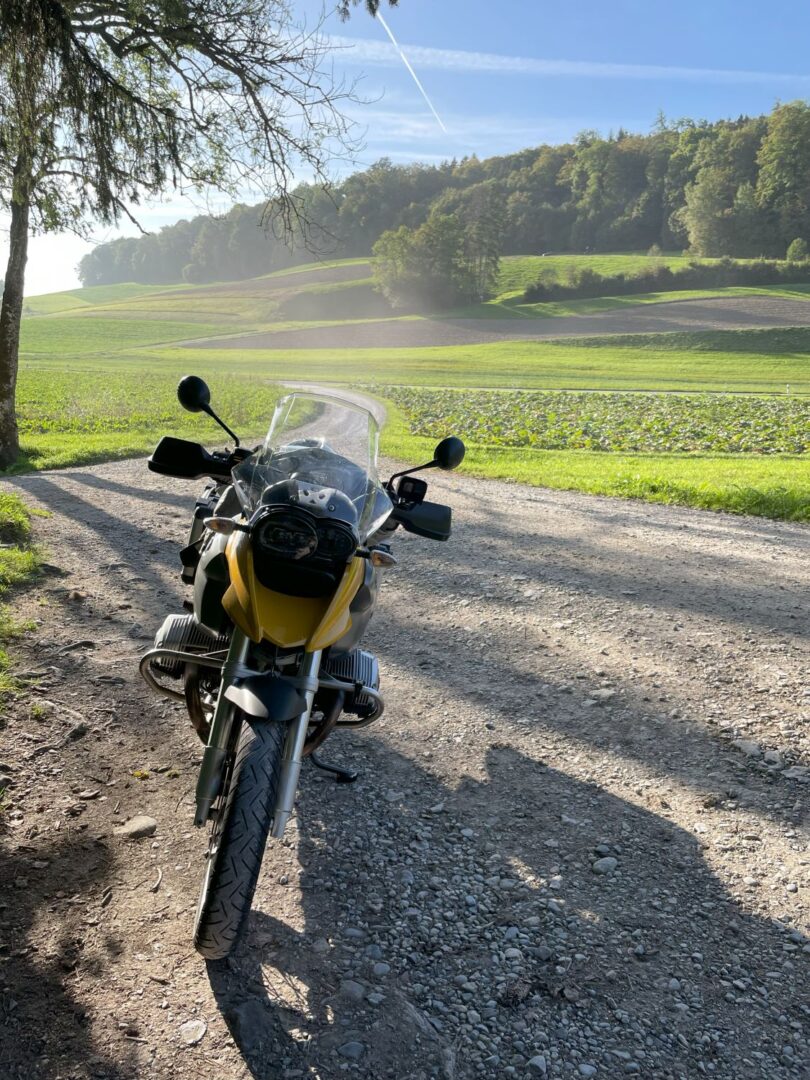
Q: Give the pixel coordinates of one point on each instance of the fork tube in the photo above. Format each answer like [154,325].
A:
[294,749]
[216,752]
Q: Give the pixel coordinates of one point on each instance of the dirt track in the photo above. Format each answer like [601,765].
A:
[679,315]
[565,681]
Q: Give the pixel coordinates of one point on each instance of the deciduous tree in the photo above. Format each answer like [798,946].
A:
[784,169]
[106,102]
[427,266]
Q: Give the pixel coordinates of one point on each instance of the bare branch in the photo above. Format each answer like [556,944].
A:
[154,95]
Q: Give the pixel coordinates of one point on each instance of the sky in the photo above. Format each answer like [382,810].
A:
[500,76]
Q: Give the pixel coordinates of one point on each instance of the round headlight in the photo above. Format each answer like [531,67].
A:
[285,534]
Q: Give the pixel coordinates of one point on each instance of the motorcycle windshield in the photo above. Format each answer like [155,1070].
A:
[325,442]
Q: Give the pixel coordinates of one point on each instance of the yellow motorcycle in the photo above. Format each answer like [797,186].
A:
[283,558]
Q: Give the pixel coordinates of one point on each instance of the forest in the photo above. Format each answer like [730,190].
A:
[727,188]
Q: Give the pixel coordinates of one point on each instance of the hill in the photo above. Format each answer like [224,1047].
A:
[735,187]
[332,306]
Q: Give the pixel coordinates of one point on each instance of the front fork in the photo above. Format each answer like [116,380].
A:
[219,745]
[216,752]
[294,745]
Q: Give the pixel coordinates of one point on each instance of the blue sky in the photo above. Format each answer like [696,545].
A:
[505,74]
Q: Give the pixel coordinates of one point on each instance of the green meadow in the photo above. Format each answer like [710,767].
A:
[519,271]
[99,367]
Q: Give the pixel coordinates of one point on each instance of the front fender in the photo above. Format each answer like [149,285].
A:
[267,697]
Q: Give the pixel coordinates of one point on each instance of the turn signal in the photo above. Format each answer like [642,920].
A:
[223,525]
[382,558]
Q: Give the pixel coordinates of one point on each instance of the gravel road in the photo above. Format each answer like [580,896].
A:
[719,313]
[578,847]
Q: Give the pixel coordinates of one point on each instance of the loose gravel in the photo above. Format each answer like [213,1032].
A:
[578,847]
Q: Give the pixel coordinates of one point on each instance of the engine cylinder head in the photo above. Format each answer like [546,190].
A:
[182,633]
[357,666]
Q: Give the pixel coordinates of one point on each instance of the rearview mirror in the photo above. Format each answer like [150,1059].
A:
[193,394]
[450,452]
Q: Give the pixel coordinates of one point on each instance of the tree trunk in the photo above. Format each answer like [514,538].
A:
[10,316]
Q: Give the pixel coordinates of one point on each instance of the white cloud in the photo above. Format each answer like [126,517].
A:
[367,51]
[389,124]
[413,133]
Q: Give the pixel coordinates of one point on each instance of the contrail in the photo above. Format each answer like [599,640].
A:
[414,76]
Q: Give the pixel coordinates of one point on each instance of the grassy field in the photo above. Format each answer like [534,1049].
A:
[19,562]
[81,412]
[748,361]
[100,366]
[519,271]
[84,299]
[84,337]
[510,306]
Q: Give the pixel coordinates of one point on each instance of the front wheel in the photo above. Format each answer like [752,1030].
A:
[238,837]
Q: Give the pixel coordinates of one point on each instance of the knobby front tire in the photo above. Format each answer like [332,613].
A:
[238,838]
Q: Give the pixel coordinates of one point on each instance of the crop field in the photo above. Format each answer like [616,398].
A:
[766,485]
[99,369]
[644,423]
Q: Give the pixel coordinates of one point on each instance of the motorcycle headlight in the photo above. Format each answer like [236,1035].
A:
[285,534]
[336,541]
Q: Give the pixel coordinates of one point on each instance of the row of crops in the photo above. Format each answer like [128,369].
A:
[612,422]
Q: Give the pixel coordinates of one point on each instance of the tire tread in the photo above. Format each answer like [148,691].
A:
[251,802]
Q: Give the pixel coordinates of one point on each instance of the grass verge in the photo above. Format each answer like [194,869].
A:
[19,563]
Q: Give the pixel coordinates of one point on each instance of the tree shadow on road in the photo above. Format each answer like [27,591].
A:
[47,946]
[702,982]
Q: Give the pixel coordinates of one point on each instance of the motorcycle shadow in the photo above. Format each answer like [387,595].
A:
[383,883]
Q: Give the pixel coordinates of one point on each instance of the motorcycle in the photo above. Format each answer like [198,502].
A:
[286,545]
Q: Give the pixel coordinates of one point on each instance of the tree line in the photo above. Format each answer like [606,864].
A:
[731,187]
